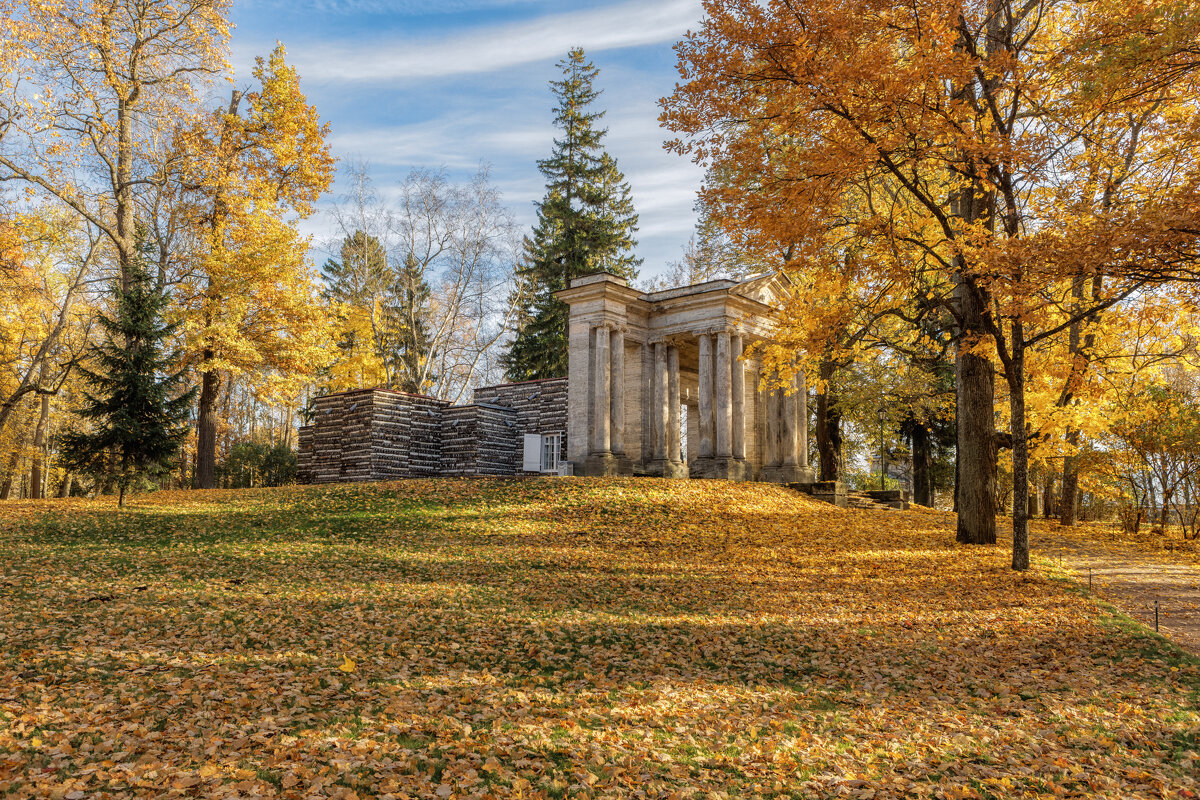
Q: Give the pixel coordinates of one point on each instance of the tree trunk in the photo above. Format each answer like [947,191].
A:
[6,486]
[954,507]
[123,193]
[206,428]
[1048,509]
[121,495]
[64,488]
[829,427]
[976,433]
[922,464]
[1020,450]
[36,479]
[1070,484]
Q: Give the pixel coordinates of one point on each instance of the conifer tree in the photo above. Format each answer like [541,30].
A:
[409,310]
[585,223]
[138,412]
[354,283]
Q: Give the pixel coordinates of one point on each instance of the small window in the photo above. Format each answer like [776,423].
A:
[550,448]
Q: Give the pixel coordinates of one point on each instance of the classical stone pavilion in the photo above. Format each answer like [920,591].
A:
[659,383]
[638,360]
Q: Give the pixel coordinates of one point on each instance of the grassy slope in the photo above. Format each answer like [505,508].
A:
[561,637]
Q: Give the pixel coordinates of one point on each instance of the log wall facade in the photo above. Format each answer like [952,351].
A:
[382,434]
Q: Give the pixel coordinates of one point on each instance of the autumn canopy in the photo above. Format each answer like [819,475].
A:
[1017,174]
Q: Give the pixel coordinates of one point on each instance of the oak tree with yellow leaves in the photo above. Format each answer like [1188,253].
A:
[1011,152]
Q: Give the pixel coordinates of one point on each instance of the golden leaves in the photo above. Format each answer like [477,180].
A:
[561,637]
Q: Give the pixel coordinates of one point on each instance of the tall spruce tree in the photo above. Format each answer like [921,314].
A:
[356,280]
[137,409]
[585,223]
[409,308]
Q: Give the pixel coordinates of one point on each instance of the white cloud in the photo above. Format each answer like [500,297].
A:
[499,47]
[390,7]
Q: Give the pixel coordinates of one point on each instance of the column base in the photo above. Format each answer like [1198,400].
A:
[662,468]
[599,465]
[788,473]
[727,468]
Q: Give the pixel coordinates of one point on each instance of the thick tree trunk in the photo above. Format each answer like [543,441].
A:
[922,464]
[206,429]
[64,488]
[1020,450]
[829,428]
[976,433]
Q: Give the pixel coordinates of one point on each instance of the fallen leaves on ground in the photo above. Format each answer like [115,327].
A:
[568,637]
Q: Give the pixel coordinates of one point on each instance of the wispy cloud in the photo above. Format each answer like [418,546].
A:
[499,47]
[405,7]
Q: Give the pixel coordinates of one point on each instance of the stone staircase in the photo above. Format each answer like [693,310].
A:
[835,493]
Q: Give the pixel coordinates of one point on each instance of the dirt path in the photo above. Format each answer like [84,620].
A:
[1132,581]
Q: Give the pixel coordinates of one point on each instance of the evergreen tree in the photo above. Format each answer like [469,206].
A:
[356,280]
[585,223]
[410,311]
[138,412]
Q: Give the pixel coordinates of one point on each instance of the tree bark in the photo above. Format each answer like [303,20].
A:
[64,488]
[36,479]
[954,507]
[922,464]
[1020,451]
[1070,484]
[976,433]
[9,475]
[1048,509]
[206,428]
[829,427]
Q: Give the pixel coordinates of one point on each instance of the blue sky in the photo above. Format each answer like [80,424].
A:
[457,83]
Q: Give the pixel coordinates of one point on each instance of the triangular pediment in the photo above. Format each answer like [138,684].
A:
[769,288]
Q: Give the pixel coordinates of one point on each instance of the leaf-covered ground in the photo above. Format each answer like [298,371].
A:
[561,638]
[1134,574]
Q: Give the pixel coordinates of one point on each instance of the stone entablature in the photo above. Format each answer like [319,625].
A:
[383,434]
[637,359]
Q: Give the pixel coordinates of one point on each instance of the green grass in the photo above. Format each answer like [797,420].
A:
[577,637]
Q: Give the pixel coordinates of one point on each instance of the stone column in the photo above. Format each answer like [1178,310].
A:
[770,427]
[673,438]
[660,401]
[789,430]
[802,417]
[723,404]
[647,393]
[600,414]
[738,387]
[704,448]
[617,381]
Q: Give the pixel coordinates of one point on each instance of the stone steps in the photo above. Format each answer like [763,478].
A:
[867,503]
[835,493]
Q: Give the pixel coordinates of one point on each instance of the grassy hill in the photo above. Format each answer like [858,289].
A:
[561,637]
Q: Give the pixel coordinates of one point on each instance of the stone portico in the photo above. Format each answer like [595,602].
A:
[638,360]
